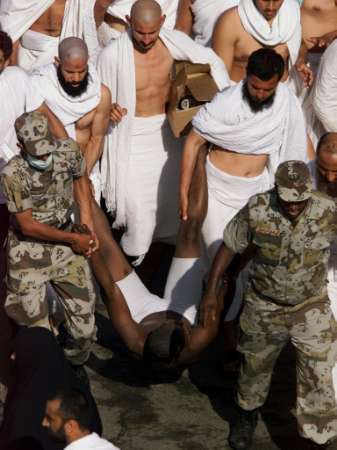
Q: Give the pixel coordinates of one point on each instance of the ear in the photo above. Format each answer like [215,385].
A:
[128,20]
[57,61]
[162,19]
[70,427]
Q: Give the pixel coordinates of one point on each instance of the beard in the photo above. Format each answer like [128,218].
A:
[69,88]
[254,104]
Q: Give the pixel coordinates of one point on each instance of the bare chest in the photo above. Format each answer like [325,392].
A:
[51,21]
[318,17]
[83,128]
[247,44]
[153,72]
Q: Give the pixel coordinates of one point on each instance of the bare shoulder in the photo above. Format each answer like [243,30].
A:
[229,23]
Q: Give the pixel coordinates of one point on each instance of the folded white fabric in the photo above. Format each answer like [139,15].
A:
[285,29]
[205,15]
[116,68]
[16,17]
[278,131]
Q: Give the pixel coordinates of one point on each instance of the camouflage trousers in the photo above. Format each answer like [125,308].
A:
[265,329]
[31,265]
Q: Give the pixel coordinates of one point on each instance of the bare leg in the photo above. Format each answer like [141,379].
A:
[189,234]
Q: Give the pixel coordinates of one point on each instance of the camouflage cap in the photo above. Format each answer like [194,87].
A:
[33,132]
[293,181]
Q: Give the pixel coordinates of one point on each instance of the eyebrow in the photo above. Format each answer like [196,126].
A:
[324,168]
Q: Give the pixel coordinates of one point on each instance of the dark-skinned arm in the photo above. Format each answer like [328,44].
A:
[56,126]
[210,308]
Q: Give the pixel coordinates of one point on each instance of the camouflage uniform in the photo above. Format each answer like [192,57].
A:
[286,299]
[33,262]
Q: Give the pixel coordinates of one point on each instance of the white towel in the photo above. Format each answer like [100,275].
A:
[17,96]
[285,29]
[67,108]
[37,48]
[278,131]
[121,8]
[205,15]
[324,90]
[117,70]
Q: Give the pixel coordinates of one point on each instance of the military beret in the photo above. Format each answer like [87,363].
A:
[293,181]
[33,132]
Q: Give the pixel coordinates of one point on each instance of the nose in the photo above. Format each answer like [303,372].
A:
[260,95]
[146,39]
[331,177]
[76,78]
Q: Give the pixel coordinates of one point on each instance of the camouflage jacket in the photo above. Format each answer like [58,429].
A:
[48,193]
[290,258]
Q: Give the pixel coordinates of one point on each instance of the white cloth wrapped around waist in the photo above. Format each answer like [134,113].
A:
[112,64]
[205,15]
[231,190]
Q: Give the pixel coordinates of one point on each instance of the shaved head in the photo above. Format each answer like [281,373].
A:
[73,48]
[328,143]
[146,11]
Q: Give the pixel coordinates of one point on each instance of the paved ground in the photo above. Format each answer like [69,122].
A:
[191,412]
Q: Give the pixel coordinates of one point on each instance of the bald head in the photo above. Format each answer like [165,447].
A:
[73,48]
[146,11]
[327,143]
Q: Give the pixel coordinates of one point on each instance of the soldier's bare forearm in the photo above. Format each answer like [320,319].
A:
[56,126]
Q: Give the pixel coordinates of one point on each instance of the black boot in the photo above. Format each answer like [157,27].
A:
[241,431]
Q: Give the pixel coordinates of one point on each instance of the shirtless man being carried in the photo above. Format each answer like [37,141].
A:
[253,126]
[247,27]
[140,164]
[164,332]
[72,90]
[36,32]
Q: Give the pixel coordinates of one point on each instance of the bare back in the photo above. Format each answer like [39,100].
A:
[153,70]
[234,45]
[318,17]
[50,22]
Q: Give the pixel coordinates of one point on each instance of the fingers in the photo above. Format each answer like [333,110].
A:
[117,112]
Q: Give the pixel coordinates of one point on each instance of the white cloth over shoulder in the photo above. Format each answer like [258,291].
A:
[205,15]
[37,49]
[91,442]
[324,92]
[121,8]
[17,97]
[278,131]
[116,68]
[67,108]
[285,29]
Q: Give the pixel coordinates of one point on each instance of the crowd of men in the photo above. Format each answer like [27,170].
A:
[86,147]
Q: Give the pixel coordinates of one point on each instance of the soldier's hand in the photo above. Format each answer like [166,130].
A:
[82,243]
[117,113]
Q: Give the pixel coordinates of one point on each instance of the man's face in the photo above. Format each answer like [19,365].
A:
[3,61]
[293,209]
[258,93]
[73,76]
[268,8]
[145,35]
[327,165]
[53,421]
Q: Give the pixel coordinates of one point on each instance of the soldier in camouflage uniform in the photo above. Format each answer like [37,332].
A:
[38,185]
[289,229]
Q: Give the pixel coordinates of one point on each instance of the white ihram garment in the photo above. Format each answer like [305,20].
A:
[229,123]
[69,109]
[91,442]
[37,49]
[116,67]
[285,28]
[205,15]
[17,96]
[182,291]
